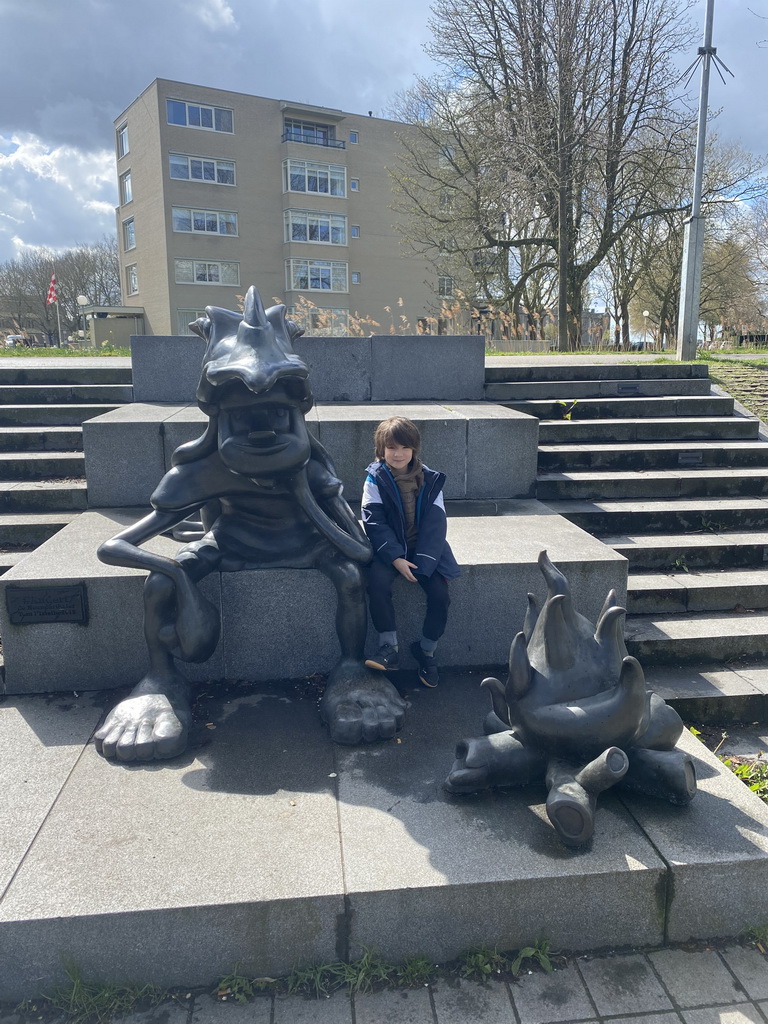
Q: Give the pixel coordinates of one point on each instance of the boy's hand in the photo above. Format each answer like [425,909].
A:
[404,567]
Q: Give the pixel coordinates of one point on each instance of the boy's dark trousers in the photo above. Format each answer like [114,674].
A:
[380,580]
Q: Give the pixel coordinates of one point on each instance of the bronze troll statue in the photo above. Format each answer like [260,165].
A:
[268,497]
[575,712]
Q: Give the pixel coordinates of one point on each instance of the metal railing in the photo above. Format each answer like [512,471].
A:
[312,140]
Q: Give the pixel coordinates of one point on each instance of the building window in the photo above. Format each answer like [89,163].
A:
[308,226]
[445,157]
[445,286]
[196,115]
[311,133]
[210,222]
[320,322]
[354,137]
[132,279]
[316,275]
[207,272]
[355,230]
[129,234]
[305,176]
[122,140]
[185,317]
[126,188]
[357,277]
[197,168]
[354,184]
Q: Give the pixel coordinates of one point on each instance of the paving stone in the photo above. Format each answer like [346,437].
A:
[166,1013]
[623,984]
[208,1010]
[751,968]
[470,1001]
[744,1013]
[649,1018]
[336,1009]
[392,1007]
[541,998]
[696,978]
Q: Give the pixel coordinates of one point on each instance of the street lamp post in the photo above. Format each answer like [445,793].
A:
[82,302]
[646,314]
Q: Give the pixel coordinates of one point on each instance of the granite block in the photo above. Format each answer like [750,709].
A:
[717,849]
[624,984]
[178,871]
[444,368]
[339,368]
[124,457]
[166,368]
[431,873]
[502,451]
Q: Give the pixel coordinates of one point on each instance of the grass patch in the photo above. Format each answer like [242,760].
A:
[43,353]
[84,1001]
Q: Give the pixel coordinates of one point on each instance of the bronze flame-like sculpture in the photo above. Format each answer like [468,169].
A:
[576,712]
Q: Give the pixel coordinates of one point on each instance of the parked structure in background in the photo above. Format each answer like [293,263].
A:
[220,188]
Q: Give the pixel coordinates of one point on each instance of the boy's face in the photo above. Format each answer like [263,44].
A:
[397,456]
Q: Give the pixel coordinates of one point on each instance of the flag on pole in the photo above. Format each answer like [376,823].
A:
[53,291]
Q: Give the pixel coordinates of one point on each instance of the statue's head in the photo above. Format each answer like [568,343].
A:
[257,387]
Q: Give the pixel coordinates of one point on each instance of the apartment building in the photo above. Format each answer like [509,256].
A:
[220,190]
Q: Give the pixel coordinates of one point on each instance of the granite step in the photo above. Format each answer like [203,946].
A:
[717,694]
[32,528]
[678,552]
[581,389]
[681,483]
[556,458]
[673,428]
[37,439]
[500,370]
[58,394]
[51,415]
[623,408]
[709,515]
[41,465]
[43,495]
[676,593]
[10,558]
[12,374]
[697,638]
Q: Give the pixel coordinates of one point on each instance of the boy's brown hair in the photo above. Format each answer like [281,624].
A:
[397,430]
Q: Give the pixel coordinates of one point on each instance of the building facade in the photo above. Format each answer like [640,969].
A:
[220,190]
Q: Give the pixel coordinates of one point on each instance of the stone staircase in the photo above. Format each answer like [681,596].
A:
[42,475]
[660,466]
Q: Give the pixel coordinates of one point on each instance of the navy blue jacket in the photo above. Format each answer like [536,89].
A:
[384,522]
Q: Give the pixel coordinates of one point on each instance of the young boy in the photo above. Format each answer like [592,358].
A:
[404,517]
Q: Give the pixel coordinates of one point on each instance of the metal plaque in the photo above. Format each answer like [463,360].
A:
[28,606]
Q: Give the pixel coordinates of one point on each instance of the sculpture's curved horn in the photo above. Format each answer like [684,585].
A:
[608,629]
[254,313]
[498,697]
[531,617]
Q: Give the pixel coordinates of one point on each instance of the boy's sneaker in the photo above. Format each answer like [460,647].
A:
[386,659]
[428,673]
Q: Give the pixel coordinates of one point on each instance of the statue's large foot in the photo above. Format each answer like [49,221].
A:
[360,706]
[153,723]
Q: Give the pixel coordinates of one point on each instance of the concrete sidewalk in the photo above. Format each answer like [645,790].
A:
[666,986]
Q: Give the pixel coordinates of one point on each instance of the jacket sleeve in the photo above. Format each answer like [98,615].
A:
[386,546]
[430,541]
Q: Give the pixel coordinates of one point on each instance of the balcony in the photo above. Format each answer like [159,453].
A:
[311,139]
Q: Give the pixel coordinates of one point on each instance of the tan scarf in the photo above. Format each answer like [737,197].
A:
[409,482]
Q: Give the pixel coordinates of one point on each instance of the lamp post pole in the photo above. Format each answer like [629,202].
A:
[82,302]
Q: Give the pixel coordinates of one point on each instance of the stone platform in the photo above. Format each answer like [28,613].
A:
[268,613]
[268,846]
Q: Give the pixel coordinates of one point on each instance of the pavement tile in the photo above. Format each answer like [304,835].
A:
[623,984]
[165,1013]
[470,1001]
[213,1011]
[744,1013]
[392,1007]
[336,1009]
[649,1018]
[696,978]
[542,998]
[750,967]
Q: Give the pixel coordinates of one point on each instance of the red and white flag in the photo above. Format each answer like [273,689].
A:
[53,291]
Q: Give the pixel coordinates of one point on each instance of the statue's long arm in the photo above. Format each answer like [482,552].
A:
[124,549]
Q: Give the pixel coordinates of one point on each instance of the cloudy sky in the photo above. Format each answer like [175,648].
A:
[71,66]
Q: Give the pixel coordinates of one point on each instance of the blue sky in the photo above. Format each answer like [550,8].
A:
[71,66]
